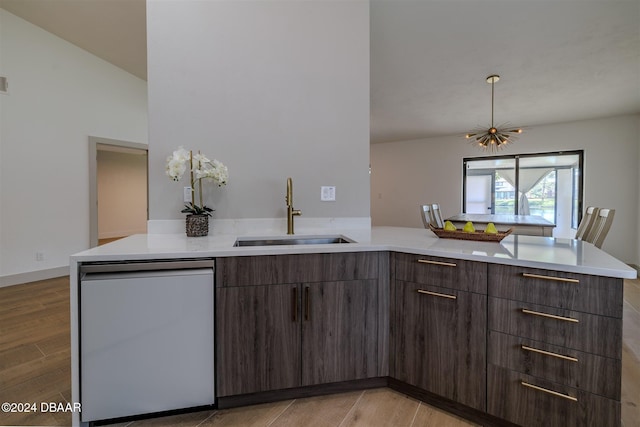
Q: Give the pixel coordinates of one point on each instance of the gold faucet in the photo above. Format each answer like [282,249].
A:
[290,210]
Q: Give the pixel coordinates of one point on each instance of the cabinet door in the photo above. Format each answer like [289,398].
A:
[258,341]
[440,341]
[339,331]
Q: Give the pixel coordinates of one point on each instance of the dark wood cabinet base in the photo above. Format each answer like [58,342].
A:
[449,406]
[300,392]
[439,402]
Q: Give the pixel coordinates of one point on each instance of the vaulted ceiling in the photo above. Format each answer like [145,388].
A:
[559,60]
[114,30]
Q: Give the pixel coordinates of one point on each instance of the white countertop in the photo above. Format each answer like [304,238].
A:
[527,251]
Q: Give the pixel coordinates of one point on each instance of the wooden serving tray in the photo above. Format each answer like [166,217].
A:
[479,236]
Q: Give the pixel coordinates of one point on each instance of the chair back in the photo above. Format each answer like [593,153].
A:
[425,213]
[436,216]
[590,215]
[600,227]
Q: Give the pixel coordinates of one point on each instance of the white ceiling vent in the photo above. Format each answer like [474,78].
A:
[4,85]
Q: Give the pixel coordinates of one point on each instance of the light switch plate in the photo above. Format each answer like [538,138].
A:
[328,194]
[187,195]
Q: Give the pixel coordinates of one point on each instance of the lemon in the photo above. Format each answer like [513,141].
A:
[468,227]
[491,229]
[448,225]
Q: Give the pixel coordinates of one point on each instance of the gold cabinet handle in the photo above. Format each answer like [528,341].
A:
[294,304]
[307,308]
[555,393]
[551,316]
[557,279]
[436,294]
[548,353]
[446,264]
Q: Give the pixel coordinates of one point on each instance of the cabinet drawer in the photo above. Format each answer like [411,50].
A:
[307,268]
[443,272]
[585,371]
[580,331]
[512,396]
[580,292]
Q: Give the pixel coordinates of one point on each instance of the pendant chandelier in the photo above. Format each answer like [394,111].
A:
[494,138]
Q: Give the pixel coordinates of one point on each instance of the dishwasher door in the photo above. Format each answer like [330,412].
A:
[146,342]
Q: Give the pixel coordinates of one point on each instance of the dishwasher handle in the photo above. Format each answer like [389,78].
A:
[146,266]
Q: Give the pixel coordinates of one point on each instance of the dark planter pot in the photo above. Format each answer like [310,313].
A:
[197,225]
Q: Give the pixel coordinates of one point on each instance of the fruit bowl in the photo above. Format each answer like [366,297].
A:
[480,236]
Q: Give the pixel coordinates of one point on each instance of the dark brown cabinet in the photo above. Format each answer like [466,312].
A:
[497,342]
[339,331]
[304,331]
[439,331]
[554,350]
[258,342]
[532,401]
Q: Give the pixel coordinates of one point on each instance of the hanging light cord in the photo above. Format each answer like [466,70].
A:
[492,83]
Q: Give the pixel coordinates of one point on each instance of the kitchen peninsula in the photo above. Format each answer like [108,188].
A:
[489,331]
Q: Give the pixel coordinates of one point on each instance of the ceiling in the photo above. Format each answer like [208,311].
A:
[559,60]
[114,30]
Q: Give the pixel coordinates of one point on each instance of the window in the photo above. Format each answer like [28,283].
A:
[547,184]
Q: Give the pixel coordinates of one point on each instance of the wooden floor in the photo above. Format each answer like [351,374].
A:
[377,407]
[35,367]
[35,363]
[109,240]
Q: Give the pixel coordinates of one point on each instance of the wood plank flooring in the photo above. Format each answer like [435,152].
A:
[35,367]
[376,407]
[35,361]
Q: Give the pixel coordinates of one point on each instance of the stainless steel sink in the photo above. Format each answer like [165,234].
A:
[292,240]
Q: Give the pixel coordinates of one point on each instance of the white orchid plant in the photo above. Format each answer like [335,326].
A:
[200,167]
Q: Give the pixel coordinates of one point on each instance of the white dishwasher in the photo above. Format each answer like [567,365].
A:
[146,337]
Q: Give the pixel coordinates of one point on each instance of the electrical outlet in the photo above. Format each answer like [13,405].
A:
[328,194]
[186,197]
[39,256]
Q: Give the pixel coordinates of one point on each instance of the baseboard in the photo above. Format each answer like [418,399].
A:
[475,415]
[300,392]
[33,276]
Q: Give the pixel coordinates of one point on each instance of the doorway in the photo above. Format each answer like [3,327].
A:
[118,180]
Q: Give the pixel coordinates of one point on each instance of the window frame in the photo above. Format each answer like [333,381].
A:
[517,157]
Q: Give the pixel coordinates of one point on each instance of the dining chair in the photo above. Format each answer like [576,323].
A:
[600,227]
[436,216]
[425,214]
[586,223]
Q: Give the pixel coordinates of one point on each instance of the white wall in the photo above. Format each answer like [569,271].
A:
[122,194]
[272,89]
[59,95]
[406,174]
